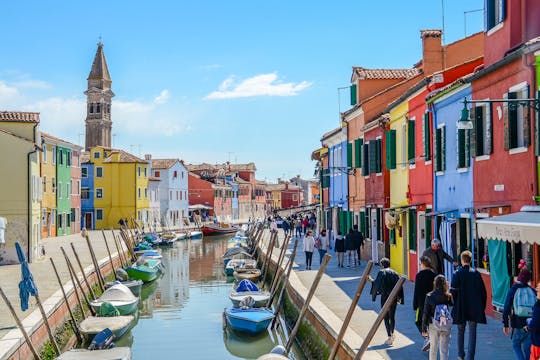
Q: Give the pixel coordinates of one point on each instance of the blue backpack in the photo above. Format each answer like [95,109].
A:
[442,319]
[524,300]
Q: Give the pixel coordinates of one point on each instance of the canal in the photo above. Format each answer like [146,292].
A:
[180,314]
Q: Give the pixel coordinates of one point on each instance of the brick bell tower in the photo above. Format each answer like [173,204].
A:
[98,103]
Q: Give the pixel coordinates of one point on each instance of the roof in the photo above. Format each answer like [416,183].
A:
[60,141]
[430,33]
[99,66]
[226,166]
[84,157]
[19,116]
[366,74]
[125,157]
[153,178]
[522,226]
[163,163]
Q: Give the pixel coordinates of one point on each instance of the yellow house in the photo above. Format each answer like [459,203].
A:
[48,181]
[120,187]
[20,185]
[399,181]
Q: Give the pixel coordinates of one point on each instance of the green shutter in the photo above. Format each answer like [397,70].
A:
[362,219]
[411,142]
[392,233]
[391,149]
[373,157]
[437,153]
[358,152]
[326,178]
[368,223]
[353,94]
[365,159]
[428,229]
[426,137]
[412,229]
[349,155]
[443,148]
[379,155]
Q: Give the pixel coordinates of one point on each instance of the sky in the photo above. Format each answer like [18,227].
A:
[212,80]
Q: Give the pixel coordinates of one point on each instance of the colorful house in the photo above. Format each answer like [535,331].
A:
[173,189]
[87,192]
[75,187]
[48,179]
[20,184]
[154,215]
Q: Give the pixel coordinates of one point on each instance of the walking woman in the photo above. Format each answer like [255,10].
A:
[340,248]
[350,249]
[309,246]
[324,244]
[437,306]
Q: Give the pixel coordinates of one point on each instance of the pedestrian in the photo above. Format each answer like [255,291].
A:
[436,319]
[305,224]
[382,285]
[323,244]
[533,325]
[470,297]
[285,226]
[309,246]
[423,284]
[298,226]
[273,225]
[358,243]
[437,255]
[339,247]
[350,249]
[515,314]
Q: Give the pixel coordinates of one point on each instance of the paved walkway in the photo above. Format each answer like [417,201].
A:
[337,288]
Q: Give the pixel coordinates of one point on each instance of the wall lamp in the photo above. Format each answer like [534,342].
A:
[465,122]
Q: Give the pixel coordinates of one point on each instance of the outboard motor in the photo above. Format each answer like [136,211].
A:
[103,340]
[279,349]
[122,275]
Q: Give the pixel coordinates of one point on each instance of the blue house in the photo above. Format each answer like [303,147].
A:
[87,198]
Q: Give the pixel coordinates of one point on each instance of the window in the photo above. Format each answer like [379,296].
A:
[495,13]
[68,189]
[61,157]
[53,185]
[157,173]
[68,220]
[44,154]
[440,149]
[44,184]
[91,108]
[78,190]
[426,136]
[99,214]
[99,172]
[60,222]
[463,149]
[412,228]
[411,141]
[138,171]
[72,217]
[481,135]
[182,174]
[84,172]
[69,158]
[98,108]
[391,149]
[44,217]
[175,174]
[97,154]
[139,193]
[358,143]
[85,193]
[53,155]
[349,155]
[59,190]
[108,109]
[145,169]
[99,193]
[146,193]
[170,194]
[517,127]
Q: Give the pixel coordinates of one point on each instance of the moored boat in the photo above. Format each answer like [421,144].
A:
[93,325]
[249,274]
[245,289]
[120,296]
[168,238]
[133,285]
[218,229]
[147,270]
[117,353]
[251,320]
[195,234]
[239,263]
[277,353]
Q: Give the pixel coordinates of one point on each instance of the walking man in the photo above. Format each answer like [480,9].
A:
[437,255]
[384,283]
[470,298]
[423,284]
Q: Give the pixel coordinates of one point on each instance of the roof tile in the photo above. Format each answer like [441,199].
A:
[19,116]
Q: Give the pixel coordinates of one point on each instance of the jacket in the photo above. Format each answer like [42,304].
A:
[437,258]
[516,322]
[325,242]
[309,243]
[340,244]
[534,324]
[470,296]
[423,284]
[383,285]
[433,299]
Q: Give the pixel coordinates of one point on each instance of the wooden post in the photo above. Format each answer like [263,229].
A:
[349,315]
[83,274]
[108,251]
[20,325]
[280,261]
[47,325]
[94,261]
[120,256]
[124,237]
[308,300]
[73,321]
[75,281]
[268,258]
[380,318]
[290,265]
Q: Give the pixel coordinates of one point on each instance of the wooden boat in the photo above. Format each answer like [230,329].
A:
[195,234]
[149,254]
[251,320]
[168,238]
[246,289]
[218,229]
[133,285]
[117,353]
[93,325]
[249,274]
[147,270]
[234,264]
[235,251]
[120,297]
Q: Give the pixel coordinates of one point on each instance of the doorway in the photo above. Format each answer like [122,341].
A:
[374,236]
[88,221]
[421,226]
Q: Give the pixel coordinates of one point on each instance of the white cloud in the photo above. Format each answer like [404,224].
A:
[32,84]
[162,98]
[260,85]
[7,91]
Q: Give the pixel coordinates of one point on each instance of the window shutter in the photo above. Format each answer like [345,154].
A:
[526,119]
[362,219]
[505,123]
[365,159]
[478,125]
[428,229]
[437,150]
[443,148]
[391,149]
[358,152]
[488,132]
[326,178]
[474,131]
[426,137]
[412,229]
[349,155]
[512,123]
[353,94]
[411,141]
[368,224]
[467,148]
[461,148]
[379,155]
[372,157]
[392,234]
[502,10]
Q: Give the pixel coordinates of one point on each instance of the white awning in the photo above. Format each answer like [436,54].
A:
[522,226]
[199,207]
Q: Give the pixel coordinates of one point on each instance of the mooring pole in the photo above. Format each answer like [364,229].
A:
[84,275]
[349,315]
[94,260]
[379,319]
[75,281]
[120,256]
[289,267]
[47,325]
[308,300]
[280,261]
[108,252]
[268,258]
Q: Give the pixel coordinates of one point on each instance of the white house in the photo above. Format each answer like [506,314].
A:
[173,190]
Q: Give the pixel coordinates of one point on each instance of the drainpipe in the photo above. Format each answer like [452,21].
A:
[28,193]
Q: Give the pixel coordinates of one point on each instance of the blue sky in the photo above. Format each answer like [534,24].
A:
[212,81]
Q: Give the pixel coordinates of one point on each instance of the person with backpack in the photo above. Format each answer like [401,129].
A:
[309,246]
[322,243]
[437,320]
[533,324]
[423,284]
[383,285]
[518,306]
[340,248]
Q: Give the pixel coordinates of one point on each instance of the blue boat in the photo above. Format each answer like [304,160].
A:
[251,320]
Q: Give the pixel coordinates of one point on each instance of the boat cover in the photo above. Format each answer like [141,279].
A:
[119,353]
[94,324]
[246,285]
[118,292]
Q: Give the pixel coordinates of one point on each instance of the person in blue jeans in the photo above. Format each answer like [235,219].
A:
[324,244]
[521,338]
[470,297]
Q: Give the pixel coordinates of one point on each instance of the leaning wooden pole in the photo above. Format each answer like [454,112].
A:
[47,325]
[270,250]
[108,251]
[75,282]
[124,237]
[20,325]
[314,286]
[285,276]
[386,307]
[120,256]
[280,261]
[349,315]
[73,321]
[94,261]
[85,278]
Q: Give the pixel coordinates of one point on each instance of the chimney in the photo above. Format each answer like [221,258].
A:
[147,157]
[432,51]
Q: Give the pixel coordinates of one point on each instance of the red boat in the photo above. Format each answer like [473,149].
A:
[217,229]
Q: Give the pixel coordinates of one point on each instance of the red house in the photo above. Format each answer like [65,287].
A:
[200,192]
[290,196]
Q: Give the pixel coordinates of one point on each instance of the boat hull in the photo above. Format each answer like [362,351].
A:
[145,274]
[92,325]
[252,275]
[117,353]
[133,285]
[209,230]
[249,321]
[123,308]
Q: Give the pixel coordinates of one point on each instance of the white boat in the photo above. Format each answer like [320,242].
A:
[168,238]
[245,289]
[93,325]
[120,296]
[117,353]
[195,234]
[235,264]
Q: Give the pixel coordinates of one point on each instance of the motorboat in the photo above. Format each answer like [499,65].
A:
[133,285]
[246,289]
[248,320]
[144,269]
[120,296]
[250,274]
[239,263]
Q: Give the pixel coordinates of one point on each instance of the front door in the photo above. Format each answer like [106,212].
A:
[421,234]
[405,243]
[88,221]
[374,237]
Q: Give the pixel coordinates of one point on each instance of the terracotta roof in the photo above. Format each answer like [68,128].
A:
[365,74]
[19,116]
[125,157]
[163,163]
[58,140]
[153,178]
[430,33]
[228,167]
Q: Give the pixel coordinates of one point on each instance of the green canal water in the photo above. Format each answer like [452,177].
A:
[180,314]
